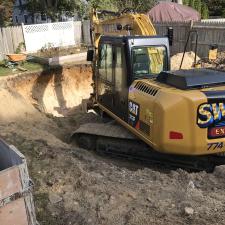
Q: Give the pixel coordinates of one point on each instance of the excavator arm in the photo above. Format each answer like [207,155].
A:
[125,23]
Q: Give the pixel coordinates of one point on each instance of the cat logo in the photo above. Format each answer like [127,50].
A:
[133,116]
[133,108]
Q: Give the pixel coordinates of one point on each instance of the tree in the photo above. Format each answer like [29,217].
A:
[192,4]
[216,7]
[186,2]
[198,5]
[52,8]
[205,11]
[138,5]
[223,13]
[6,8]
[85,7]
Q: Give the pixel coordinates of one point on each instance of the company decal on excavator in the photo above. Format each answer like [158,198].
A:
[133,114]
[212,116]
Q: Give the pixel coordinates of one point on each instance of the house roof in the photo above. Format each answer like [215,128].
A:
[170,11]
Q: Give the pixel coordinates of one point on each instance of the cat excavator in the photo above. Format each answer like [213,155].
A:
[171,117]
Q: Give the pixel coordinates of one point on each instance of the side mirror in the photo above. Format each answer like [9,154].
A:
[90,55]
[170,35]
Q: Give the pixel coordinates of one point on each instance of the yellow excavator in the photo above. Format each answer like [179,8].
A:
[179,116]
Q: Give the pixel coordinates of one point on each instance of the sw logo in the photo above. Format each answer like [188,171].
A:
[211,114]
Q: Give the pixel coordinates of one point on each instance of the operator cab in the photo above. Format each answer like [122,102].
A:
[123,59]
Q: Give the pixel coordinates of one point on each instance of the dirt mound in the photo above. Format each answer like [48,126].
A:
[219,63]
[77,187]
[187,63]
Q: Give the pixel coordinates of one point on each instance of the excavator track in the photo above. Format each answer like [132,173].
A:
[115,141]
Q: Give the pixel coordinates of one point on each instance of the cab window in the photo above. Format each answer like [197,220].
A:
[120,78]
[148,61]
[105,62]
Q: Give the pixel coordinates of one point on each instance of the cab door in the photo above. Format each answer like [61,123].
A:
[105,80]
[112,90]
[120,101]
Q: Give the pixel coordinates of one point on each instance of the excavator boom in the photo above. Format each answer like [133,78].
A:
[125,23]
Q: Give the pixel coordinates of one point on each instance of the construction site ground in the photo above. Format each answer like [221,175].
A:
[73,186]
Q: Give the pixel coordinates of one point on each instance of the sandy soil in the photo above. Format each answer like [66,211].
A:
[77,187]
[219,63]
[187,62]
[189,57]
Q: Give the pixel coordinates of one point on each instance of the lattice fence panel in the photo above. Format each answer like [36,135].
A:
[40,36]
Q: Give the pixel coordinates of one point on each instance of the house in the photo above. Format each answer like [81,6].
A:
[21,15]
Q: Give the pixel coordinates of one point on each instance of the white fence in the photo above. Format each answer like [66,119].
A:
[39,36]
[222,20]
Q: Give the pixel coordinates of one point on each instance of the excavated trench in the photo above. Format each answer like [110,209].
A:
[39,111]
[56,91]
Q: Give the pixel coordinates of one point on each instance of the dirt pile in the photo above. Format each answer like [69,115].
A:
[77,187]
[219,63]
[187,62]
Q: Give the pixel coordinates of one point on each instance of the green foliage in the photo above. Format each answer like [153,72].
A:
[53,8]
[192,4]
[216,7]
[186,2]
[138,5]
[205,11]
[20,48]
[223,13]
[200,6]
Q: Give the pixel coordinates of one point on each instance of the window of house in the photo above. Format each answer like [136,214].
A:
[43,17]
[20,3]
[25,19]
[105,62]
[16,19]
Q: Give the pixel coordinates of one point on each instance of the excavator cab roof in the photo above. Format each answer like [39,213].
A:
[137,40]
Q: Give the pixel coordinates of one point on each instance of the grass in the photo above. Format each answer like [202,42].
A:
[29,66]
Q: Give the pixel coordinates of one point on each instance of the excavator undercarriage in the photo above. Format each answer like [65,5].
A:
[112,140]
